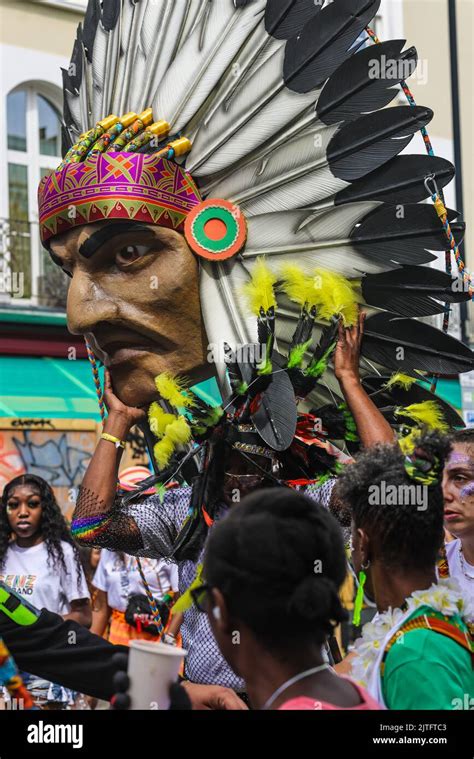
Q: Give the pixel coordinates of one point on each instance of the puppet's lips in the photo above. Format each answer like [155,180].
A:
[125,345]
[118,353]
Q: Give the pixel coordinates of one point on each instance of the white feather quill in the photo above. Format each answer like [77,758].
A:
[158,45]
[294,175]
[74,106]
[204,57]
[323,243]
[110,65]
[258,48]
[260,108]
[194,12]
[99,71]
[124,30]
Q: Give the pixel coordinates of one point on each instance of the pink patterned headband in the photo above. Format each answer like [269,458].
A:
[135,186]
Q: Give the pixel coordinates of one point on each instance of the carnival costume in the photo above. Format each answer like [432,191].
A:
[405,653]
[258,130]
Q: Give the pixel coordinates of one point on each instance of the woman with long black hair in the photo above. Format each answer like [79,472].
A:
[39,560]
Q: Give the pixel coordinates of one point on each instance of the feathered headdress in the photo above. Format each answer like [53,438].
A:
[258,128]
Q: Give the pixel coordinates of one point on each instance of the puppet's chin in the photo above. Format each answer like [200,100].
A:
[134,378]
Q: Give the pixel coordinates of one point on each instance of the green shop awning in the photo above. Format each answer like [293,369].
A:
[35,387]
[47,387]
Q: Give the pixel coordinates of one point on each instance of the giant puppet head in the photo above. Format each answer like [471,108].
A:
[114,223]
[269,137]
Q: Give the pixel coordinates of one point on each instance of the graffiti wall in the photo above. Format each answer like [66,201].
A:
[57,450]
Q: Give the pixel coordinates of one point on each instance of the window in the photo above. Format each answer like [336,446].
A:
[19,253]
[16,120]
[49,128]
[34,149]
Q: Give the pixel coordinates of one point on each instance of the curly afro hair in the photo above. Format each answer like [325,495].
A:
[404,531]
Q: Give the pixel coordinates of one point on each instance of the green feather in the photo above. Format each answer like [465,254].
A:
[350,425]
[317,368]
[266,367]
[296,354]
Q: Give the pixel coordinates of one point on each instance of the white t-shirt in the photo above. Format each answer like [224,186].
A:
[120,580]
[457,569]
[26,570]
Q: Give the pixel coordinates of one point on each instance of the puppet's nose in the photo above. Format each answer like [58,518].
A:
[87,304]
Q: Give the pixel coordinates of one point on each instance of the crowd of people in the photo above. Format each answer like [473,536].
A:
[40,561]
[236,192]
[258,593]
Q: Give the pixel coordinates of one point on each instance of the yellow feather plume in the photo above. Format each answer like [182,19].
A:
[179,431]
[163,451]
[400,380]
[259,291]
[426,413]
[335,297]
[175,431]
[174,390]
[159,419]
[298,286]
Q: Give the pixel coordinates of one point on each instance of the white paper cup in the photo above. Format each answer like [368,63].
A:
[152,668]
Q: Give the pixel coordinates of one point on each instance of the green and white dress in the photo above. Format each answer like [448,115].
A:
[421,657]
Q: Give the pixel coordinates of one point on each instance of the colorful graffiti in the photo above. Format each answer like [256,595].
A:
[59,456]
[61,462]
[58,450]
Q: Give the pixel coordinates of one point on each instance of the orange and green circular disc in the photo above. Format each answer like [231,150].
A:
[215,229]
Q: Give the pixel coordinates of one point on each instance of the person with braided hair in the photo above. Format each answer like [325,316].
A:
[417,652]
[272,572]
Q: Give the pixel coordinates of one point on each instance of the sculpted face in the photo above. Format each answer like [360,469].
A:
[135,295]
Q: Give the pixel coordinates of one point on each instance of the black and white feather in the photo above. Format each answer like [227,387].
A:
[291,117]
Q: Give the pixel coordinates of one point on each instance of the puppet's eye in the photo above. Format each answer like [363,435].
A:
[131,253]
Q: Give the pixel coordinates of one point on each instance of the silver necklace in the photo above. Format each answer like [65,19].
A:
[462,561]
[292,681]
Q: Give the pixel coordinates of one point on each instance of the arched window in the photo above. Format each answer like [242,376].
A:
[49,127]
[33,149]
